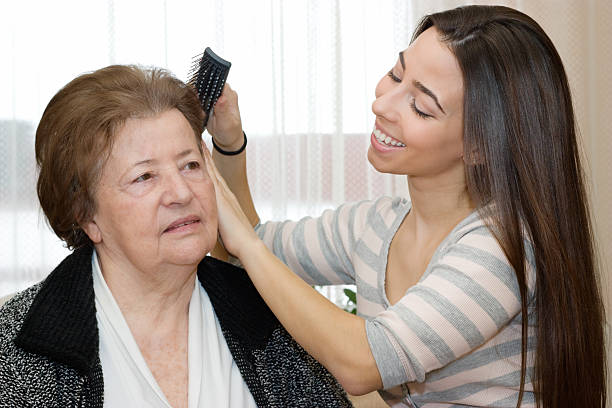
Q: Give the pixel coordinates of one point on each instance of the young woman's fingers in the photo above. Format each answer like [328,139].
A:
[218,180]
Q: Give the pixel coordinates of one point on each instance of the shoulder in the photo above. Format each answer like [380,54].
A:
[292,377]
[13,313]
[35,378]
[474,232]
[386,207]
[473,235]
[16,370]
[380,215]
[366,210]
[237,304]
[473,242]
[6,298]
[473,259]
[278,371]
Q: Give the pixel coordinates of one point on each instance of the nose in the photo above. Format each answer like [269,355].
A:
[176,190]
[386,103]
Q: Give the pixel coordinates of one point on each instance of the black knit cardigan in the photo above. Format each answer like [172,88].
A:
[49,342]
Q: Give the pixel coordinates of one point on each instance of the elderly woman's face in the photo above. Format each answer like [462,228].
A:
[155,204]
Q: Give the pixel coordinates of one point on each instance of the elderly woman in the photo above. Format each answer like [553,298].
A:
[137,315]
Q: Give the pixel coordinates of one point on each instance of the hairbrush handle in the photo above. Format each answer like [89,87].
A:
[217,58]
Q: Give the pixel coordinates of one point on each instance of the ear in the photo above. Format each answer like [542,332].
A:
[93,231]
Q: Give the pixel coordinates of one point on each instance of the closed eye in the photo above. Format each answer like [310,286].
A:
[419,112]
[394,77]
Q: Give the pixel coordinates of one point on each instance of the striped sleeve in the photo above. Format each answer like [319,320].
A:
[318,249]
[466,296]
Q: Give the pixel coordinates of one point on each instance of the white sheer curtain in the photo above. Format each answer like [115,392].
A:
[305,71]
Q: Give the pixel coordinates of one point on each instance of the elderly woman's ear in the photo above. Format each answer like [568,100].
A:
[93,231]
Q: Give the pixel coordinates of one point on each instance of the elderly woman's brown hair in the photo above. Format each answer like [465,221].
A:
[77,129]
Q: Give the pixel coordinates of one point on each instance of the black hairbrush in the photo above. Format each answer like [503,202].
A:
[207,75]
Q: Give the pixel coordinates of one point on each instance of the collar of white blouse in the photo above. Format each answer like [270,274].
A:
[214,378]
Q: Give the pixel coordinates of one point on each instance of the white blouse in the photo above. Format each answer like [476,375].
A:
[214,378]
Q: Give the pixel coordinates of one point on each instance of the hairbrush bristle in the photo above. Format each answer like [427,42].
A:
[207,75]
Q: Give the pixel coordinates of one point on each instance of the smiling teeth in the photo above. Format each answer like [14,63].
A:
[388,140]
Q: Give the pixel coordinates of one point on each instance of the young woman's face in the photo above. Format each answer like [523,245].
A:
[419,112]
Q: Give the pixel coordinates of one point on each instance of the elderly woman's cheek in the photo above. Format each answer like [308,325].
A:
[208,203]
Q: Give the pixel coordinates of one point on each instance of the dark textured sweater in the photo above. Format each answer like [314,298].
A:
[49,342]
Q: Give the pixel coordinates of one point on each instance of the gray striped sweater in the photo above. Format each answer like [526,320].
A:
[454,338]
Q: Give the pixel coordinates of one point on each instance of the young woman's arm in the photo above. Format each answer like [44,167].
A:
[292,242]
[346,352]
[226,128]
[466,299]
[334,337]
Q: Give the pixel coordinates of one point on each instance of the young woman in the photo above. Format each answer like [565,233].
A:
[482,289]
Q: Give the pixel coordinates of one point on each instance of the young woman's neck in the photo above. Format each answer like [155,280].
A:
[437,202]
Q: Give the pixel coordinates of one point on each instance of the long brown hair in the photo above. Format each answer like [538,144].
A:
[519,124]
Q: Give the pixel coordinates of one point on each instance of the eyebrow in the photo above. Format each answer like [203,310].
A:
[149,161]
[420,86]
[428,92]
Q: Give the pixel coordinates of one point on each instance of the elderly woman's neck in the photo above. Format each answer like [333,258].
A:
[151,300]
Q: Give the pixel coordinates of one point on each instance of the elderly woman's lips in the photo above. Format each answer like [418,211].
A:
[182,224]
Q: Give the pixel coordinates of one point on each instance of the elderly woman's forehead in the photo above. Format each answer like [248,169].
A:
[154,134]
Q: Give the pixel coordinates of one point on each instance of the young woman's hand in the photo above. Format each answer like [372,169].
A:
[235,229]
[225,124]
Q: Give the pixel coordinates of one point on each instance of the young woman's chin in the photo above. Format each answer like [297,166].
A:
[380,164]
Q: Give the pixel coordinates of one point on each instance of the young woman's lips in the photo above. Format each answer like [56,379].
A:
[382,147]
[186,224]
